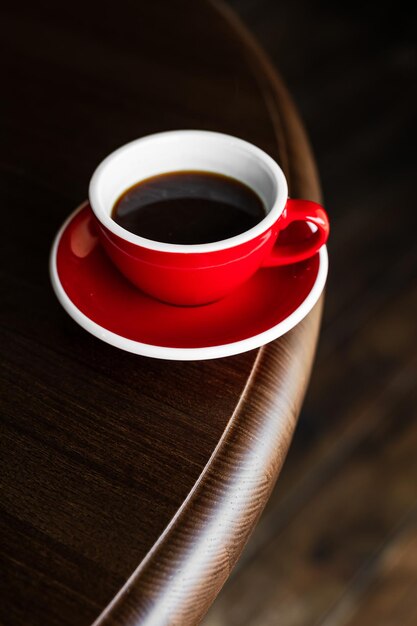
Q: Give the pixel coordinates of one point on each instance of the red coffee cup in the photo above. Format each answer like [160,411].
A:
[202,273]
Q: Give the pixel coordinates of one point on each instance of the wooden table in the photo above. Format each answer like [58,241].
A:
[120,474]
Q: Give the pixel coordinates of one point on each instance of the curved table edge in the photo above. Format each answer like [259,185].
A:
[184,571]
[182,574]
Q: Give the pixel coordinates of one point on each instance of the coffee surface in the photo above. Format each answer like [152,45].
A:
[188,208]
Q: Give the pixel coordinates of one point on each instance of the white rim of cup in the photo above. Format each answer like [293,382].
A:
[272,216]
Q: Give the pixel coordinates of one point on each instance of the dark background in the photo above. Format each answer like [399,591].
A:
[338,542]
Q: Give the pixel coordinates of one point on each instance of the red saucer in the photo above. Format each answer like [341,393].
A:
[101,300]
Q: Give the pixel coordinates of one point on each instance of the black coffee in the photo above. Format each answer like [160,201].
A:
[188,208]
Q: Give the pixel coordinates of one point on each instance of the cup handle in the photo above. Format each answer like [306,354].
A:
[300,211]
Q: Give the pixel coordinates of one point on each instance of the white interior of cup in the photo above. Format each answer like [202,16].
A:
[187,150]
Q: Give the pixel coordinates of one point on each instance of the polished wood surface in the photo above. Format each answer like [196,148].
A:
[336,543]
[112,462]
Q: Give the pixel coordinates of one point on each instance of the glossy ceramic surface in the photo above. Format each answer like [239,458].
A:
[202,273]
[103,302]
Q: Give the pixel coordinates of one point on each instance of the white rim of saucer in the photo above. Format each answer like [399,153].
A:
[183,354]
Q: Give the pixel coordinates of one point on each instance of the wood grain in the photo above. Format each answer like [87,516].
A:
[329,550]
[318,553]
[109,460]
